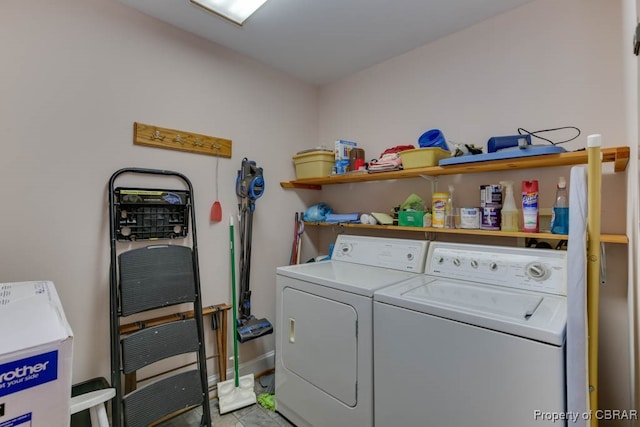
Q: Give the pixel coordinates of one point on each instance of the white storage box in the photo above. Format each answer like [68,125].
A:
[35,356]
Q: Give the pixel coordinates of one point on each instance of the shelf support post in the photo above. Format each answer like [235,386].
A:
[433,180]
[594,186]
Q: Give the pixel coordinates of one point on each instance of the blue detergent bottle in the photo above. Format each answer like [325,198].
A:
[560,215]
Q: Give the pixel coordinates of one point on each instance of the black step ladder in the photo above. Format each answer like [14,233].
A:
[143,280]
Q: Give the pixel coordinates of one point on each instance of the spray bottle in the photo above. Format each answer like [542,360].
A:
[530,206]
[450,220]
[510,218]
[560,216]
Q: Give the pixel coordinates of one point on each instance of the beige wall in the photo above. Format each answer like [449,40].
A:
[544,65]
[76,74]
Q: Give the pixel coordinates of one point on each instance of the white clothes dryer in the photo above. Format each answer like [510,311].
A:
[324,335]
[478,340]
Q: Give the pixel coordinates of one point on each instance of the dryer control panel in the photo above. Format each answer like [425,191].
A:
[542,270]
[396,254]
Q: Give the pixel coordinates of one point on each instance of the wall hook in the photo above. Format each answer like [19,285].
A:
[180,140]
[156,135]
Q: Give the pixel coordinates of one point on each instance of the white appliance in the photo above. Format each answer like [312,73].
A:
[478,340]
[324,336]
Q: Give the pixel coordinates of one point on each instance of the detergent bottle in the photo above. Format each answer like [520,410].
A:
[530,206]
[510,218]
[560,215]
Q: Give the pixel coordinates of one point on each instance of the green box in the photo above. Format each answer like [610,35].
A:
[410,218]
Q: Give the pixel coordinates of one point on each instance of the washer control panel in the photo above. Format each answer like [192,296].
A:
[396,254]
[543,270]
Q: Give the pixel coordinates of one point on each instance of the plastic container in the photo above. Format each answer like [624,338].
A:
[422,157]
[490,218]
[438,209]
[314,164]
[433,138]
[426,219]
[530,219]
[469,218]
[509,214]
[490,196]
[450,212]
[560,214]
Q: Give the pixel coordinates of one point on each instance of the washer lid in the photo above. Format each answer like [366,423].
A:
[355,278]
[531,315]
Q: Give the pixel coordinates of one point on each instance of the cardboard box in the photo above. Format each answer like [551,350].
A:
[36,352]
[313,164]
[342,149]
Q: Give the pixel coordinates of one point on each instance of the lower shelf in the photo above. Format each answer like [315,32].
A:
[604,238]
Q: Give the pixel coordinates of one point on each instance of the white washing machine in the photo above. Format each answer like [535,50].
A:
[478,340]
[324,336]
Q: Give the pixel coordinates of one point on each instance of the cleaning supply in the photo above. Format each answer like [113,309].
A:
[560,215]
[238,392]
[438,209]
[267,399]
[490,207]
[530,213]
[469,218]
[449,209]
[509,211]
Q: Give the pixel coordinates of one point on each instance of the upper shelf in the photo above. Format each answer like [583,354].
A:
[618,155]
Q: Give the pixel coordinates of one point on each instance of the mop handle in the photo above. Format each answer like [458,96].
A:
[233,299]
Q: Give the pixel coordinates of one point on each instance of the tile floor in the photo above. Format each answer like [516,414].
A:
[250,416]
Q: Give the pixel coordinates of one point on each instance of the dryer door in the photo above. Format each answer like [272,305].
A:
[319,343]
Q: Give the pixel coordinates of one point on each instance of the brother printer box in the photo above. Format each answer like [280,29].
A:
[35,356]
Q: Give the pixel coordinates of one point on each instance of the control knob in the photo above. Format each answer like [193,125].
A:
[537,271]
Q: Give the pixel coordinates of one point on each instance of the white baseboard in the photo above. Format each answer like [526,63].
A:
[256,366]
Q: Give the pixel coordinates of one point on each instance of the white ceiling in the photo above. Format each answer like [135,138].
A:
[321,41]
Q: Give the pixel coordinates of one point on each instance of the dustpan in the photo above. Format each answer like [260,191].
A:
[238,392]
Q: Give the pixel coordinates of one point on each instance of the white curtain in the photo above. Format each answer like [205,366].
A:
[577,352]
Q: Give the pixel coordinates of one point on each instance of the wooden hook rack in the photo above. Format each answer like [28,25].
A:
[172,139]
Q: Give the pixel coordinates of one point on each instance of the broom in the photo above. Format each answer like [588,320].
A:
[238,392]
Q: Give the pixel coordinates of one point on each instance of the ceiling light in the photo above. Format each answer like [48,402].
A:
[236,11]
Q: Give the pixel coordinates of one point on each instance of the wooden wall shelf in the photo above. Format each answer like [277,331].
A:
[617,155]
[605,238]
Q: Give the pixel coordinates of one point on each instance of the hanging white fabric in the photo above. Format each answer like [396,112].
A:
[577,352]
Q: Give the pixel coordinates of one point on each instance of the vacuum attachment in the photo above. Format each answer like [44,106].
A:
[250,328]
